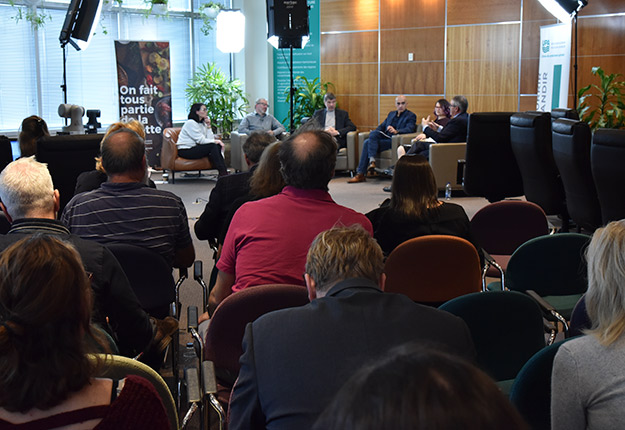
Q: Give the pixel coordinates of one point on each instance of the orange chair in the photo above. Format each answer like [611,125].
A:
[172,162]
[433,269]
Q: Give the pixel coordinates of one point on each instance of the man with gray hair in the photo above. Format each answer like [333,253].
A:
[295,360]
[125,210]
[30,203]
[261,120]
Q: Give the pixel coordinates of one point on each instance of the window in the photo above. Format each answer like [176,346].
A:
[32,70]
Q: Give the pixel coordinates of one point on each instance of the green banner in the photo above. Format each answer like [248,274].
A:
[305,63]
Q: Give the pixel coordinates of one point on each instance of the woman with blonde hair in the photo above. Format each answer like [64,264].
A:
[46,377]
[414,209]
[588,382]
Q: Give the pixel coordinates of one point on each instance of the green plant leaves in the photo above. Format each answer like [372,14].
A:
[308,98]
[603,107]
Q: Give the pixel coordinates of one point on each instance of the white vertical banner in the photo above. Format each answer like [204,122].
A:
[554,67]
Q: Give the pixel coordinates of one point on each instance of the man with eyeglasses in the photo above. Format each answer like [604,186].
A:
[261,120]
[400,121]
[454,131]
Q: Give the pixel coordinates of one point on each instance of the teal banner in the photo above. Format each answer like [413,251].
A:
[305,63]
[557,78]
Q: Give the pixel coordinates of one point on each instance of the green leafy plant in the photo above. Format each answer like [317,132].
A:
[208,12]
[307,99]
[603,108]
[224,98]
[31,14]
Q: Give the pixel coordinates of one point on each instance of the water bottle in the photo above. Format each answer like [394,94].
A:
[448,191]
[189,357]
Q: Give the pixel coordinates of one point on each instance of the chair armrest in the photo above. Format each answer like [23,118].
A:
[548,308]
[444,161]
[362,136]
[396,141]
[352,150]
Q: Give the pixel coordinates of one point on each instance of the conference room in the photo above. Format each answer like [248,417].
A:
[81,66]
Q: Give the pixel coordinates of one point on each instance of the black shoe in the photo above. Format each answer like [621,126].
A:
[387,189]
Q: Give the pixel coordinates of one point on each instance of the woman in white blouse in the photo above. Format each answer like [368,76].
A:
[196,139]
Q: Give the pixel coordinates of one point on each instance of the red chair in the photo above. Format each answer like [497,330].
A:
[433,269]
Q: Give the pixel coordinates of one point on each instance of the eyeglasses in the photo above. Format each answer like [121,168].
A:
[400,103]
[264,104]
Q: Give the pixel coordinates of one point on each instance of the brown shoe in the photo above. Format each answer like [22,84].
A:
[371,167]
[165,328]
[356,179]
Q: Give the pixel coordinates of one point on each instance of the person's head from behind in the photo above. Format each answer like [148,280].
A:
[308,159]
[415,387]
[441,108]
[267,180]
[414,186]
[133,125]
[342,253]
[123,154]
[605,298]
[255,144]
[32,128]
[26,190]
[45,310]
[458,105]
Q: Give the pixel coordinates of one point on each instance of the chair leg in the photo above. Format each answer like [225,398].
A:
[173,176]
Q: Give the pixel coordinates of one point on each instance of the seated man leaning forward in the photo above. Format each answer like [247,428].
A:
[30,203]
[268,239]
[295,360]
[261,120]
[125,210]
[334,121]
[400,121]
[454,131]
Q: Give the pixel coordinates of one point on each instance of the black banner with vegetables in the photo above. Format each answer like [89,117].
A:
[144,84]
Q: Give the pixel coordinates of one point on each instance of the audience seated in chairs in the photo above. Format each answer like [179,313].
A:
[294,360]
[414,387]
[30,204]
[588,384]
[229,188]
[46,377]
[92,180]
[255,251]
[31,130]
[414,209]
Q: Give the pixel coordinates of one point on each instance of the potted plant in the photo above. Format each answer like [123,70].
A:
[308,98]
[603,108]
[157,7]
[208,12]
[30,13]
[224,98]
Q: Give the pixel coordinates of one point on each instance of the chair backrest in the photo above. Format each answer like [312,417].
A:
[6,152]
[118,367]
[580,320]
[501,227]
[551,265]
[491,170]
[530,135]
[559,113]
[531,391]
[227,325]
[571,152]
[433,269]
[67,157]
[150,277]
[506,327]
[169,151]
[607,158]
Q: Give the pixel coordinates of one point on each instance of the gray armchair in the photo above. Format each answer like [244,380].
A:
[388,158]
[347,158]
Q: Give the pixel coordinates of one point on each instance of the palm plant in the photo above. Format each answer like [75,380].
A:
[224,98]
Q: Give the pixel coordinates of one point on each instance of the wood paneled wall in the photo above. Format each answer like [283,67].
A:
[484,49]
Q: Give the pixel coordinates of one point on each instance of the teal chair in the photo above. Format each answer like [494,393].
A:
[506,327]
[552,270]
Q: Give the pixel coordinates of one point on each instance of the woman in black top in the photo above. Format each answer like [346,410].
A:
[414,209]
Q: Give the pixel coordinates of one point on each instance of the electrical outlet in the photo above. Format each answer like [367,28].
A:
[410,56]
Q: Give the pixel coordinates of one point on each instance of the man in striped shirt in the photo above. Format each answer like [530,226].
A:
[125,210]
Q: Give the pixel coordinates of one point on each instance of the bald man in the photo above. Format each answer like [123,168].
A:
[400,121]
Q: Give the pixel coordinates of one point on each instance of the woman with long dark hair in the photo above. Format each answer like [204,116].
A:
[196,139]
[414,209]
[31,130]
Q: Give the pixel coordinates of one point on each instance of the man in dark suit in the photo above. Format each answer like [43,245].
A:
[454,131]
[229,188]
[399,121]
[334,121]
[295,360]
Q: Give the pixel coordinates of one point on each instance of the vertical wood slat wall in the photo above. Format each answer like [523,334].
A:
[484,49]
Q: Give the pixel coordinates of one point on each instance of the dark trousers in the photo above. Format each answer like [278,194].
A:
[210,150]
